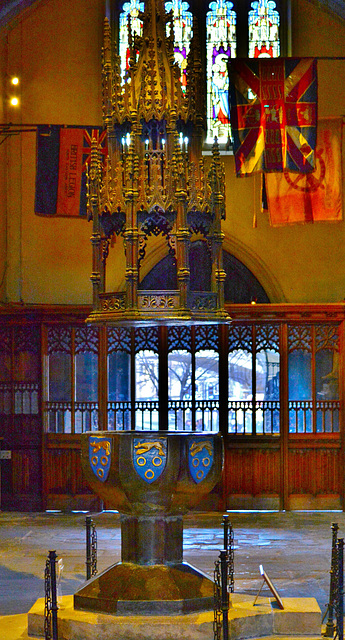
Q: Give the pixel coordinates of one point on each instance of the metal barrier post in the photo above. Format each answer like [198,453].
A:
[225,593]
[340,607]
[50,608]
[330,627]
[91,548]
[223,583]
[88,522]
[226,524]
[217,606]
[229,547]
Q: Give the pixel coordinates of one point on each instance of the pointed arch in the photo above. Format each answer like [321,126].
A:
[247,279]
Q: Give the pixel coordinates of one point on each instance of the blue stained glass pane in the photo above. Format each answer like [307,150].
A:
[263,25]
[300,378]
[221,45]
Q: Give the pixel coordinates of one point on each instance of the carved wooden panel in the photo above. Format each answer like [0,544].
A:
[327,337]
[119,339]
[86,340]
[300,338]
[146,338]
[240,338]
[59,339]
[27,339]
[26,431]
[21,425]
[252,471]
[58,472]
[206,337]
[179,338]
[267,338]
[151,301]
[63,471]
[81,487]
[5,339]
[314,471]
[21,478]
[21,481]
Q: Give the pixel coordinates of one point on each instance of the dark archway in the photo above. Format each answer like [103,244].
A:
[241,286]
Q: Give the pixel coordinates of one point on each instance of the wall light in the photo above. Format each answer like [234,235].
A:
[14,102]
[15,80]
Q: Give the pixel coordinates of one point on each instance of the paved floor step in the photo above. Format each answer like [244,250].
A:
[15,628]
[300,616]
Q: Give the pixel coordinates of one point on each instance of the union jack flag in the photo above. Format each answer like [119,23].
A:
[273,113]
[98,134]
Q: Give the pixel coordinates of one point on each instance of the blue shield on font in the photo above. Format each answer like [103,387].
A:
[149,457]
[100,456]
[200,457]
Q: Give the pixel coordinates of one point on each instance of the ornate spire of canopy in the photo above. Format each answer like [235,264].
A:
[154,89]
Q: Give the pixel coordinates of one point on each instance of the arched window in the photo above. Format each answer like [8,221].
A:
[263,25]
[221,45]
[183,32]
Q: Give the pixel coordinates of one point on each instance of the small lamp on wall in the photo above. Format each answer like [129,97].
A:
[14,99]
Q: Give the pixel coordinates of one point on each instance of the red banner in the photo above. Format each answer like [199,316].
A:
[301,198]
[70,171]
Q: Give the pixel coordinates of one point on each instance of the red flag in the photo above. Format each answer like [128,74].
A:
[301,198]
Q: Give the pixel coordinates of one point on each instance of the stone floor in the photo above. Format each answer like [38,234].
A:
[294,549]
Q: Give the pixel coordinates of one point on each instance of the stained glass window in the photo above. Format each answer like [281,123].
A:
[130,9]
[221,45]
[263,25]
[183,31]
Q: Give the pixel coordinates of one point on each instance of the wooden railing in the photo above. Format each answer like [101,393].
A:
[20,398]
[68,417]
[243,418]
[325,414]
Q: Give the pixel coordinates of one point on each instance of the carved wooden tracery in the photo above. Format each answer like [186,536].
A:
[119,339]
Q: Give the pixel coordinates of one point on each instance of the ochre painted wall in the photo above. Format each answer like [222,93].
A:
[55,48]
[2,177]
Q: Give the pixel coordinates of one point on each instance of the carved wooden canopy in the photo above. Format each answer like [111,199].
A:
[154,181]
